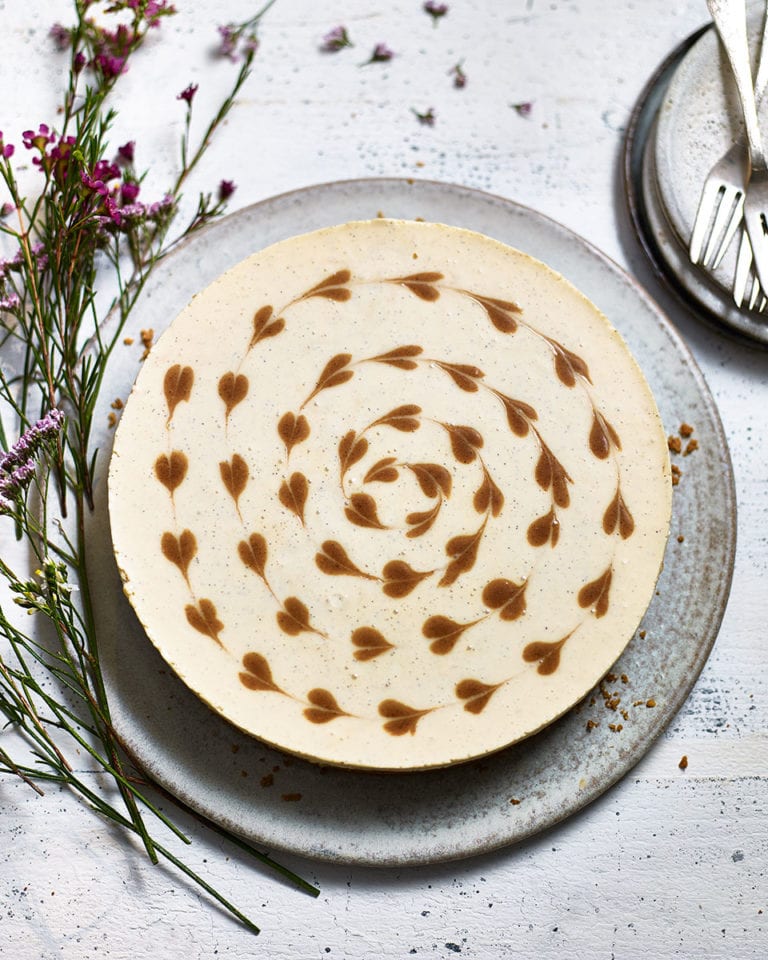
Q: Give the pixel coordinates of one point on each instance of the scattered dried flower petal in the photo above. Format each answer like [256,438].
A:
[336,40]
[459,77]
[381,54]
[524,109]
[435,10]
[427,118]
[60,36]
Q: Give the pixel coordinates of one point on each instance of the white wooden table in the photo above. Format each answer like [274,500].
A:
[669,863]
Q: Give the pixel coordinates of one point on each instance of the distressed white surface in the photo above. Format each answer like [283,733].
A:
[668,863]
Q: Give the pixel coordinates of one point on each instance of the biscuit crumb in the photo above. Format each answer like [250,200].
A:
[591,724]
[642,634]
[624,678]
[111,420]
[650,703]
[514,801]
[128,341]
[291,797]
[680,538]
[117,404]
[685,430]
[690,447]
[616,727]
[267,780]
[675,444]
[147,337]
[683,762]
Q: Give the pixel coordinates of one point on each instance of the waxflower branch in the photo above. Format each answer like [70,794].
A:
[86,221]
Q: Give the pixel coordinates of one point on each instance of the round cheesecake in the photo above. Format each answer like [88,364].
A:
[390,495]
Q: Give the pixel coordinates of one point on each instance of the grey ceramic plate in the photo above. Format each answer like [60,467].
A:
[661,221]
[396,819]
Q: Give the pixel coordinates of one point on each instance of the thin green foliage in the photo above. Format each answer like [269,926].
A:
[84,224]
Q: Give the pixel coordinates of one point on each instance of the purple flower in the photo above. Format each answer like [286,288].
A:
[113,211]
[336,40]
[6,149]
[427,118]
[31,441]
[5,211]
[41,257]
[10,302]
[154,10]
[131,212]
[435,10]
[60,36]
[226,189]
[17,465]
[40,140]
[12,485]
[79,62]
[524,109]
[109,66]
[126,152]
[91,183]
[188,93]
[250,45]
[228,42]
[381,54]
[106,170]
[96,181]
[128,192]
[160,208]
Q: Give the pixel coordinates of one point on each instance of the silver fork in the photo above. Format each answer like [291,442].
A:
[721,206]
[729,17]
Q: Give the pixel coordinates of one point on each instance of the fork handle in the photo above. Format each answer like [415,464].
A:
[730,21]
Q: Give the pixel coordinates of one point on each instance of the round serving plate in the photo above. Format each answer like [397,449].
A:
[355,816]
[682,124]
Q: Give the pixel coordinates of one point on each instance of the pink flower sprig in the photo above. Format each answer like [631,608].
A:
[335,40]
[381,54]
[240,41]
[150,11]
